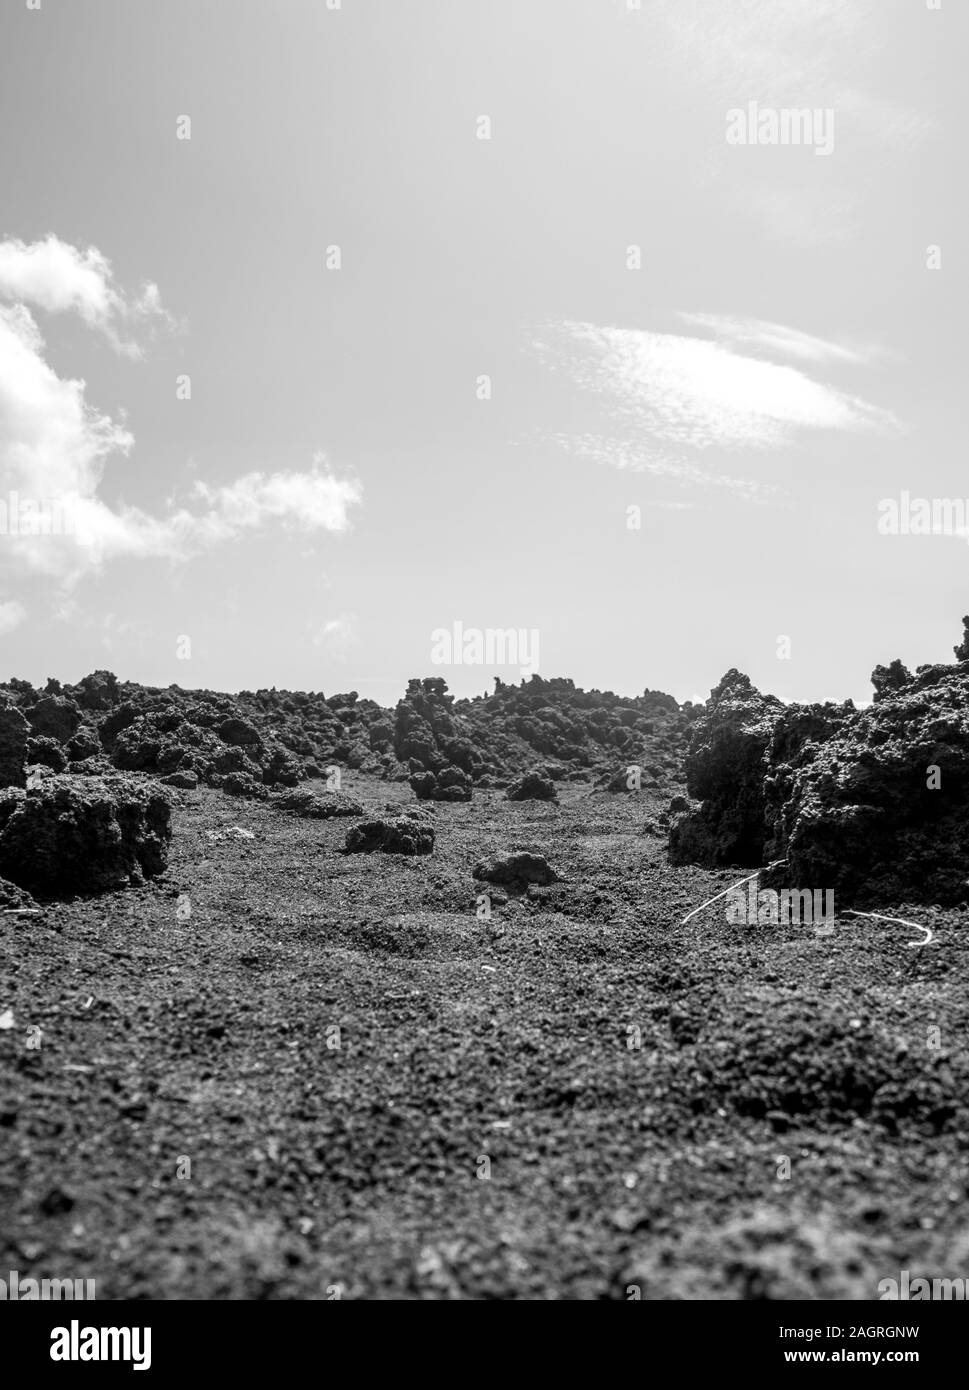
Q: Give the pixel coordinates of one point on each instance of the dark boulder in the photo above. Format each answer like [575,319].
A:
[516,868]
[534,786]
[241,784]
[239,732]
[53,716]
[98,691]
[280,768]
[14,732]
[880,814]
[13,897]
[405,834]
[316,805]
[84,834]
[888,679]
[185,780]
[450,784]
[47,752]
[84,744]
[725,769]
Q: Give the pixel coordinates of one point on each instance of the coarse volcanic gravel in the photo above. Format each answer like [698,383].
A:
[280,1071]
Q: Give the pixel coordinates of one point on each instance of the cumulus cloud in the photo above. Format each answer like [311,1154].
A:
[54,444]
[311,501]
[58,278]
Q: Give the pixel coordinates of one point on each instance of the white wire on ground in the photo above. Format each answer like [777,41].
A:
[879,916]
[756,874]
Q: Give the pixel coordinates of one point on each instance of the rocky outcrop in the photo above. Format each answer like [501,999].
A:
[405,834]
[872,804]
[14,732]
[880,813]
[14,898]
[428,737]
[725,769]
[578,731]
[291,736]
[84,744]
[533,786]
[450,784]
[48,752]
[313,805]
[54,716]
[202,737]
[98,691]
[73,834]
[888,679]
[184,781]
[517,868]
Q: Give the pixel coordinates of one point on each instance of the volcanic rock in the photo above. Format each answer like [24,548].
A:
[98,691]
[14,731]
[239,731]
[725,768]
[880,813]
[450,784]
[317,805]
[184,779]
[84,744]
[407,834]
[516,867]
[47,751]
[77,834]
[55,716]
[12,896]
[241,784]
[532,787]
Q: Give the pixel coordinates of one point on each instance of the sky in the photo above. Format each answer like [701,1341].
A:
[325,327]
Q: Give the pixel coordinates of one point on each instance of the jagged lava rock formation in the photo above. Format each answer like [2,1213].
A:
[277,738]
[872,803]
[84,834]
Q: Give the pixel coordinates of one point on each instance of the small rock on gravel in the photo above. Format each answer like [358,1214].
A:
[519,867]
[408,834]
[532,787]
[317,805]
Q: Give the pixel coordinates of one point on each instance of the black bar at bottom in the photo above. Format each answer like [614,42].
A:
[163,1341]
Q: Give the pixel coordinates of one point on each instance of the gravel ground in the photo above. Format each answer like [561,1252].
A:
[280,1071]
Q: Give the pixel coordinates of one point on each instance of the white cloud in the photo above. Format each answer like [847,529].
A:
[56,277]
[54,444]
[307,501]
[691,393]
[631,455]
[296,501]
[782,341]
[338,635]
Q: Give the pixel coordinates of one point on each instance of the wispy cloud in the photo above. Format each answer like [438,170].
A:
[672,405]
[778,340]
[338,636]
[639,455]
[694,393]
